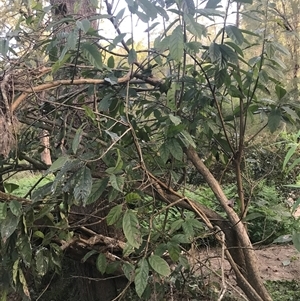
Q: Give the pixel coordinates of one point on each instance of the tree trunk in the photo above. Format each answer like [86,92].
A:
[238,242]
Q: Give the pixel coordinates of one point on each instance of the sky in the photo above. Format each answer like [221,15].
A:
[139,26]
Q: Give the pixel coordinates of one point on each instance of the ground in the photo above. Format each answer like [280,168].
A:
[276,263]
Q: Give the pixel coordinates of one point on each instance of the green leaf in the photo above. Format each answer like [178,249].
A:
[42,262]
[10,187]
[175,119]
[176,45]
[25,250]
[114,214]
[193,47]
[117,40]
[159,265]
[77,139]
[274,119]
[91,52]
[38,234]
[24,283]
[228,53]
[132,56]
[174,251]
[214,52]
[3,211]
[289,154]
[152,26]
[119,16]
[4,46]
[196,29]
[221,76]
[9,225]
[186,139]
[72,39]
[175,149]
[189,6]
[253,216]
[117,182]
[131,228]
[84,25]
[111,62]
[83,186]
[149,8]
[132,197]
[296,240]
[235,34]
[280,92]
[141,277]
[89,112]
[15,207]
[188,228]
[212,3]
[128,269]
[101,263]
[164,152]
[58,164]
[88,255]
[98,188]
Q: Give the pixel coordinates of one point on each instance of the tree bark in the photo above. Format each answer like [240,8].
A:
[245,257]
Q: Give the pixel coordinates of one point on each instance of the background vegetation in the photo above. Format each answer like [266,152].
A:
[121,157]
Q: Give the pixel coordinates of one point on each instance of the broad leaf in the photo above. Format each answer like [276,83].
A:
[175,119]
[10,187]
[132,197]
[88,255]
[117,182]
[289,154]
[164,152]
[149,8]
[175,149]
[58,164]
[131,228]
[9,225]
[15,207]
[83,186]
[176,45]
[235,34]
[274,119]
[84,25]
[3,210]
[42,261]
[77,139]
[132,56]
[92,53]
[212,3]
[98,188]
[174,251]
[296,240]
[141,277]
[280,92]
[101,263]
[159,265]
[128,269]
[114,214]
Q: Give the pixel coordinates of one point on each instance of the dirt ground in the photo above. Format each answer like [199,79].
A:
[276,263]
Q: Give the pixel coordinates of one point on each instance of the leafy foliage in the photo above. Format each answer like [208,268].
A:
[122,122]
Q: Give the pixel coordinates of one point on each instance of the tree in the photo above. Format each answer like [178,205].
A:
[125,135]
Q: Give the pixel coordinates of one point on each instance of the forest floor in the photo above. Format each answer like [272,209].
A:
[275,262]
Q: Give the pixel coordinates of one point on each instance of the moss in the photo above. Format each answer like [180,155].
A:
[284,290]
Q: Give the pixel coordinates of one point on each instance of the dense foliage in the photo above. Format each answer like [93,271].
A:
[132,130]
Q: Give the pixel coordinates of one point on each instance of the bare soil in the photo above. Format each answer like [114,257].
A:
[276,263]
